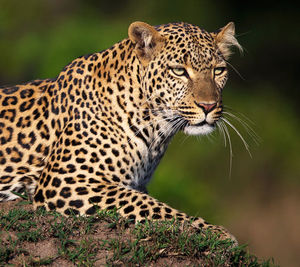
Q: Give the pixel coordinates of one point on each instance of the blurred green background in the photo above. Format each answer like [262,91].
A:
[259,201]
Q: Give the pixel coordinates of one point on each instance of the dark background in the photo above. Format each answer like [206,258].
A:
[259,201]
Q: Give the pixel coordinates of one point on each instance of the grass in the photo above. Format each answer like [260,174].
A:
[107,239]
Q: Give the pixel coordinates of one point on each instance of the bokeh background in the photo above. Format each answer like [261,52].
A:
[259,200]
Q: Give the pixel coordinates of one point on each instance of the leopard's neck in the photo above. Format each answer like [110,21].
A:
[120,101]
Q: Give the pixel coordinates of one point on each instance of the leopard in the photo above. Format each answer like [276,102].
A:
[91,138]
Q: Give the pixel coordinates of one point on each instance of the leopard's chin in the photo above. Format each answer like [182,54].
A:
[199,129]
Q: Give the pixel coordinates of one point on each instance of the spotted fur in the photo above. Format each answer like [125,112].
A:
[92,137]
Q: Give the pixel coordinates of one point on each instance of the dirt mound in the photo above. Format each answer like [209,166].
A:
[40,238]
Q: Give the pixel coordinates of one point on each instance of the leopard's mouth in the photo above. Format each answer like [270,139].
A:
[201,128]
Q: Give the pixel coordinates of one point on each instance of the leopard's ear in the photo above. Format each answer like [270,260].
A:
[147,40]
[225,39]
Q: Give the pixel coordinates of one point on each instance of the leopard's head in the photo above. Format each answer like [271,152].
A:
[185,71]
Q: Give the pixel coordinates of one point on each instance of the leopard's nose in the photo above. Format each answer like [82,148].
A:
[206,107]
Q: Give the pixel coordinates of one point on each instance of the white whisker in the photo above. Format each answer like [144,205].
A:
[237,72]
[221,130]
[167,132]
[246,126]
[238,133]
[151,123]
[224,126]
[185,137]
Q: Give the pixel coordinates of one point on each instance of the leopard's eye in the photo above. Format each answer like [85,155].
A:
[219,70]
[179,71]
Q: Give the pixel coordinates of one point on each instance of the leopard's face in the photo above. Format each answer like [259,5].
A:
[184,80]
